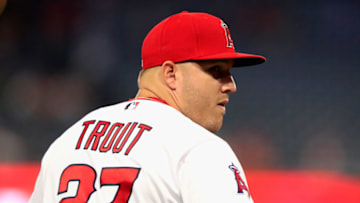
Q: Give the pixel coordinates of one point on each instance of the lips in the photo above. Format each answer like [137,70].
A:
[223,103]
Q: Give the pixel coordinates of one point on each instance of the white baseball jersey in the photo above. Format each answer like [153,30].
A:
[140,151]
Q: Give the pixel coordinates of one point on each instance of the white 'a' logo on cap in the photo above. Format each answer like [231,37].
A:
[229,41]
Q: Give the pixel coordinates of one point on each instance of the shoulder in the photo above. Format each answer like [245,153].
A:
[214,161]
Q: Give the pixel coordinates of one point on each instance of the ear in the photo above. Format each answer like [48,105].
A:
[170,73]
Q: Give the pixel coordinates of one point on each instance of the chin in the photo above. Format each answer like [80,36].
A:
[215,127]
[212,125]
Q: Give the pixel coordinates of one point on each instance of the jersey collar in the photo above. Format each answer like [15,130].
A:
[150,99]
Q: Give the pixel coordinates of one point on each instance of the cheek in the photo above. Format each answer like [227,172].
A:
[199,107]
[194,101]
[200,97]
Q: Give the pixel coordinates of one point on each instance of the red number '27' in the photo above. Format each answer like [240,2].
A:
[86,176]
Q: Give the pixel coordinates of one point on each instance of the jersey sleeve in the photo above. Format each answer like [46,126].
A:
[40,190]
[212,173]
[36,196]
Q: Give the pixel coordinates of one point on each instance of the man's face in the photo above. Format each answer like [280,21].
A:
[205,90]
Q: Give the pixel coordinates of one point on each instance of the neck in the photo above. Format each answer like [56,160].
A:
[145,92]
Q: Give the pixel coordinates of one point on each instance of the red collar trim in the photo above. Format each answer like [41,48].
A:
[150,99]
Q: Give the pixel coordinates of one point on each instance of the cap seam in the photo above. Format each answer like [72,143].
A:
[196,35]
[162,40]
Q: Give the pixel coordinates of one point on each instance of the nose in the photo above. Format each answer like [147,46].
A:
[229,85]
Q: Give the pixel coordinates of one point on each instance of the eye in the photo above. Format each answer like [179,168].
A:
[216,71]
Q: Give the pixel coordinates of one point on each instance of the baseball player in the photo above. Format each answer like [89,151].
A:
[159,146]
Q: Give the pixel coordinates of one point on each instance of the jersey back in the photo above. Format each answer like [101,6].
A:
[139,151]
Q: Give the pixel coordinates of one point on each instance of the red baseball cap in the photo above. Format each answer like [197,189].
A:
[192,36]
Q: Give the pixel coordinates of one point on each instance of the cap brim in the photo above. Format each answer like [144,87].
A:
[241,59]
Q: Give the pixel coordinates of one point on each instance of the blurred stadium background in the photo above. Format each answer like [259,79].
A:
[296,117]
